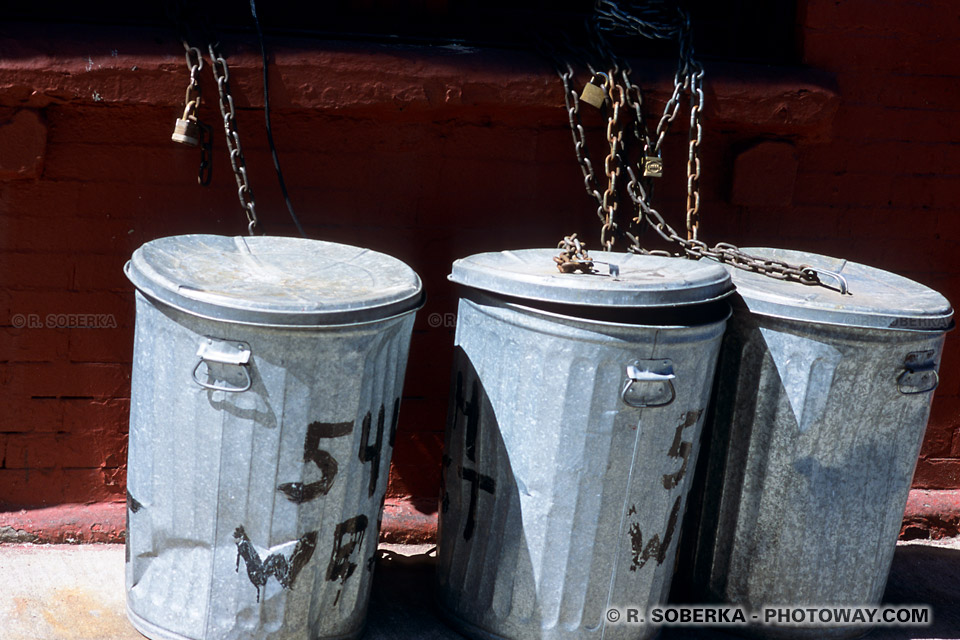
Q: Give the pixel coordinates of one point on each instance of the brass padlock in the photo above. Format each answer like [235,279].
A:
[186,132]
[593,94]
[652,167]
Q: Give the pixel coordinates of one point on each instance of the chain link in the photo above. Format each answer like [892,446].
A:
[572,102]
[612,163]
[657,19]
[192,100]
[573,256]
[693,153]
[205,172]
[222,74]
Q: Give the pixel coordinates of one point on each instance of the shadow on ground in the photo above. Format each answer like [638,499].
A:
[402,606]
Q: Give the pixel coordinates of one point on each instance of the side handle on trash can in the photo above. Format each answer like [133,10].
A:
[919,374]
[649,383]
[224,352]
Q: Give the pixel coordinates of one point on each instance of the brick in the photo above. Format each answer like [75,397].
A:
[91,272]
[68,310]
[108,125]
[883,157]
[35,271]
[937,473]
[136,164]
[936,18]
[938,441]
[170,205]
[765,174]
[892,53]
[32,345]
[949,369]
[898,255]
[85,415]
[65,380]
[39,198]
[70,234]
[869,123]
[850,189]
[23,142]
[416,465]
[491,142]
[807,223]
[902,90]
[101,345]
[27,488]
[23,413]
[887,224]
[424,413]
[51,451]
[931,192]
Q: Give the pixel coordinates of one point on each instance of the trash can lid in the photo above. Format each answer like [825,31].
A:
[269,280]
[875,299]
[643,280]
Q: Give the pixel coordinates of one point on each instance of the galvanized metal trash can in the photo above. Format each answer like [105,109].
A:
[266,386]
[821,407]
[576,406]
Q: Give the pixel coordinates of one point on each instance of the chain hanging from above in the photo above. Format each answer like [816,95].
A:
[611,89]
[189,129]
[222,74]
[193,25]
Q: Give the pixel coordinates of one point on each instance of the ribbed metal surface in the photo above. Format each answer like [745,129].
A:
[559,500]
[808,464]
[255,515]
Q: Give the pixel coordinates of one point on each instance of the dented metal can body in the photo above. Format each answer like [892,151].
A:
[571,431]
[820,410]
[258,453]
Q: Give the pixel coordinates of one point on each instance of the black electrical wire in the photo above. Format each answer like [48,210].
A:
[266,113]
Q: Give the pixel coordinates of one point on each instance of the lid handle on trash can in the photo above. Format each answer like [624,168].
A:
[649,384]
[228,352]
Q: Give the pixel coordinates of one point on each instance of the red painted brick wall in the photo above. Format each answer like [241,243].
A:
[431,155]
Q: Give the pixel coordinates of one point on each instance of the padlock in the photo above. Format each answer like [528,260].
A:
[186,132]
[652,167]
[593,94]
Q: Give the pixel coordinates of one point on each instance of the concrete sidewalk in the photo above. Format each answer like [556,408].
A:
[76,592]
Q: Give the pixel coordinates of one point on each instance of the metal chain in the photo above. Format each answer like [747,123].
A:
[573,256]
[222,73]
[205,172]
[192,102]
[656,20]
[195,65]
[572,102]
[693,152]
[613,161]
[722,252]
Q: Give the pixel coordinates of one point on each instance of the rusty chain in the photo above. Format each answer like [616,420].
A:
[190,129]
[222,74]
[657,19]
[612,163]
[573,256]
